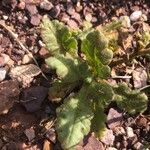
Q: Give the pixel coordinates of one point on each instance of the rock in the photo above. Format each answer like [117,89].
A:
[138,146]
[125,21]
[31,9]
[22,5]
[55,11]
[2,74]
[35,19]
[136,15]
[72,24]
[9,93]
[108,137]
[114,118]
[139,77]
[130,132]
[46,5]
[119,131]
[142,121]
[30,133]
[90,143]
[33,97]
[64,17]
[70,9]
[51,135]
[6,60]
[88,17]
[26,59]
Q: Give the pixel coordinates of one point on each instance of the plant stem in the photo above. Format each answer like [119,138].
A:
[131,57]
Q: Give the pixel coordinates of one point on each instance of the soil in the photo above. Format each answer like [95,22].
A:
[24,18]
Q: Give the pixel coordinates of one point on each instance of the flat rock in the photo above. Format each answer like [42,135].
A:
[30,133]
[35,19]
[91,144]
[108,137]
[9,93]
[114,118]
[139,77]
[33,97]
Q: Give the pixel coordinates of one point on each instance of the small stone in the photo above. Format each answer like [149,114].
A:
[136,15]
[26,59]
[70,9]
[46,5]
[22,5]
[114,118]
[108,137]
[43,52]
[51,135]
[31,9]
[7,60]
[35,19]
[55,11]
[88,17]
[72,24]
[139,77]
[2,74]
[30,133]
[5,17]
[130,132]
[119,131]
[138,146]
[125,21]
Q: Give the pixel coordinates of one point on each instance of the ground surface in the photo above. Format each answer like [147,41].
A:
[27,124]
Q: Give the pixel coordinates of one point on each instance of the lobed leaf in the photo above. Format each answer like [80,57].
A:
[132,101]
[98,56]
[57,37]
[74,119]
[71,72]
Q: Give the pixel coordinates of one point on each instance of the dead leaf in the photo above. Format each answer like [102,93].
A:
[25,73]
[9,93]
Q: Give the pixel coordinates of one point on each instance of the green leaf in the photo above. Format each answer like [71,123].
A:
[57,37]
[98,56]
[133,101]
[71,72]
[101,92]
[98,122]
[74,120]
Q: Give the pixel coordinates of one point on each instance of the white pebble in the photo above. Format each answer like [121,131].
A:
[2,74]
[130,132]
[136,15]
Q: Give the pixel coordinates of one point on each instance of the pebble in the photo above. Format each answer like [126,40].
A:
[35,19]
[114,118]
[46,5]
[108,137]
[30,133]
[55,11]
[2,74]
[125,21]
[138,146]
[5,17]
[136,15]
[26,59]
[130,132]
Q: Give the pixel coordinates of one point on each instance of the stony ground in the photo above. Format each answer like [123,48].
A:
[26,115]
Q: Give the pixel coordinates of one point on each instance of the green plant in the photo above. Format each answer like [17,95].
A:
[82,81]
